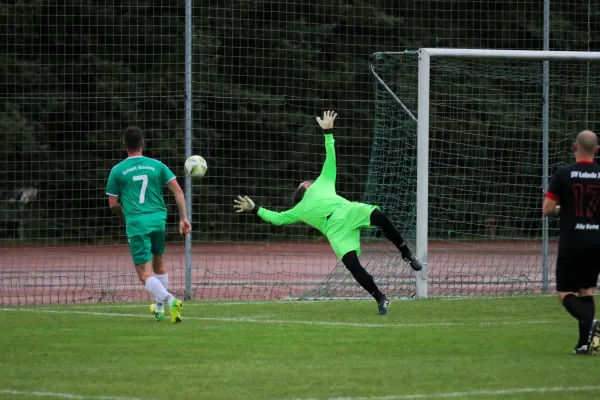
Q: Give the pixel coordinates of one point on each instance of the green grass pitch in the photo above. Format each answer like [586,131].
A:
[486,348]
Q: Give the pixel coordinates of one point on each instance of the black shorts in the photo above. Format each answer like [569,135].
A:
[577,269]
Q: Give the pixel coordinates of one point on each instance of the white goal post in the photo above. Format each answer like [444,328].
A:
[425,58]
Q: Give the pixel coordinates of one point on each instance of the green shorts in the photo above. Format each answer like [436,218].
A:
[343,227]
[144,247]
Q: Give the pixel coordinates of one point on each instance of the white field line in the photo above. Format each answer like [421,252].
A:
[105,306]
[477,393]
[13,392]
[259,320]
[491,298]
[201,303]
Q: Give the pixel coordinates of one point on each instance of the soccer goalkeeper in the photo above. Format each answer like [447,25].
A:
[317,204]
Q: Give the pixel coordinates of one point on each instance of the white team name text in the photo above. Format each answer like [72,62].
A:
[587,227]
[137,168]
[589,175]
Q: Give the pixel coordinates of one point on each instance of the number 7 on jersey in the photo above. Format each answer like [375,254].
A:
[144,179]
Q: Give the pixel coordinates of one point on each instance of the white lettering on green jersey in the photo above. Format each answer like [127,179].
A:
[138,182]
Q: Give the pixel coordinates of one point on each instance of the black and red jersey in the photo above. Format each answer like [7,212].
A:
[576,188]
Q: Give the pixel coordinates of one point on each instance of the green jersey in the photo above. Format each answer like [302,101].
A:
[320,199]
[138,182]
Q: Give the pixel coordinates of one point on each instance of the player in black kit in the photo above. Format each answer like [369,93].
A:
[574,195]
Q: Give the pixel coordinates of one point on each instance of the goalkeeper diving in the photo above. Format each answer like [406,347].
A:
[317,204]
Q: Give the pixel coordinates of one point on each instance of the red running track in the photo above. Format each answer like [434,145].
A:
[84,274]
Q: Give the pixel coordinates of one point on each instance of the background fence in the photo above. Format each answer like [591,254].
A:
[76,73]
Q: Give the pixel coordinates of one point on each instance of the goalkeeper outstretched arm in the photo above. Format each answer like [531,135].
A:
[245,204]
[329,170]
[326,180]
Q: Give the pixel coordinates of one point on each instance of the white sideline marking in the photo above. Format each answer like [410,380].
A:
[487,298]
[13,392]
[203,303]
[259,319]
[477,393]
[105,306]
[138,305]
[209,303]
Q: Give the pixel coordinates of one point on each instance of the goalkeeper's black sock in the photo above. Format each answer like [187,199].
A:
[391,232]
[363,278]
[580,311]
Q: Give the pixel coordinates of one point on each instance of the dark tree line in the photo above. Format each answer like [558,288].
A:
[75,74]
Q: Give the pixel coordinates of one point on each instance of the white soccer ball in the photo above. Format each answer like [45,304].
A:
[195,166]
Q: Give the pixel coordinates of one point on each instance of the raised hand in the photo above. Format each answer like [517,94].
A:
[327,121]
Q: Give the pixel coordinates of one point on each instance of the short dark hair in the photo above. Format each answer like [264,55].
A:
[133,138]
[299,193]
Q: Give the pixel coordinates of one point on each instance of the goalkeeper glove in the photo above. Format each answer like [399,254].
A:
[327,122]
[245,204]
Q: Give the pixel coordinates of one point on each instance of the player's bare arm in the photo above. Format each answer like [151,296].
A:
[115,207]
[184,225]
[550,207]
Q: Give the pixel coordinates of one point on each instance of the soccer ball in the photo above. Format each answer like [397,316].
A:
[195,166]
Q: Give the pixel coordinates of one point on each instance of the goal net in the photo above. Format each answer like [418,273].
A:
[486,147]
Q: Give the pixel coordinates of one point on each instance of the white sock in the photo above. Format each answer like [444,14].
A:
[164,279]
[157,289]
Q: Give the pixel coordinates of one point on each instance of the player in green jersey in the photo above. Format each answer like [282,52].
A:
[135,194]
[317,204]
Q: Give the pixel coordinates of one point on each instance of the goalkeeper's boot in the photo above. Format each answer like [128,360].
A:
[383,304]
[175,311]
[158,315]
[414,263]
[593,344]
